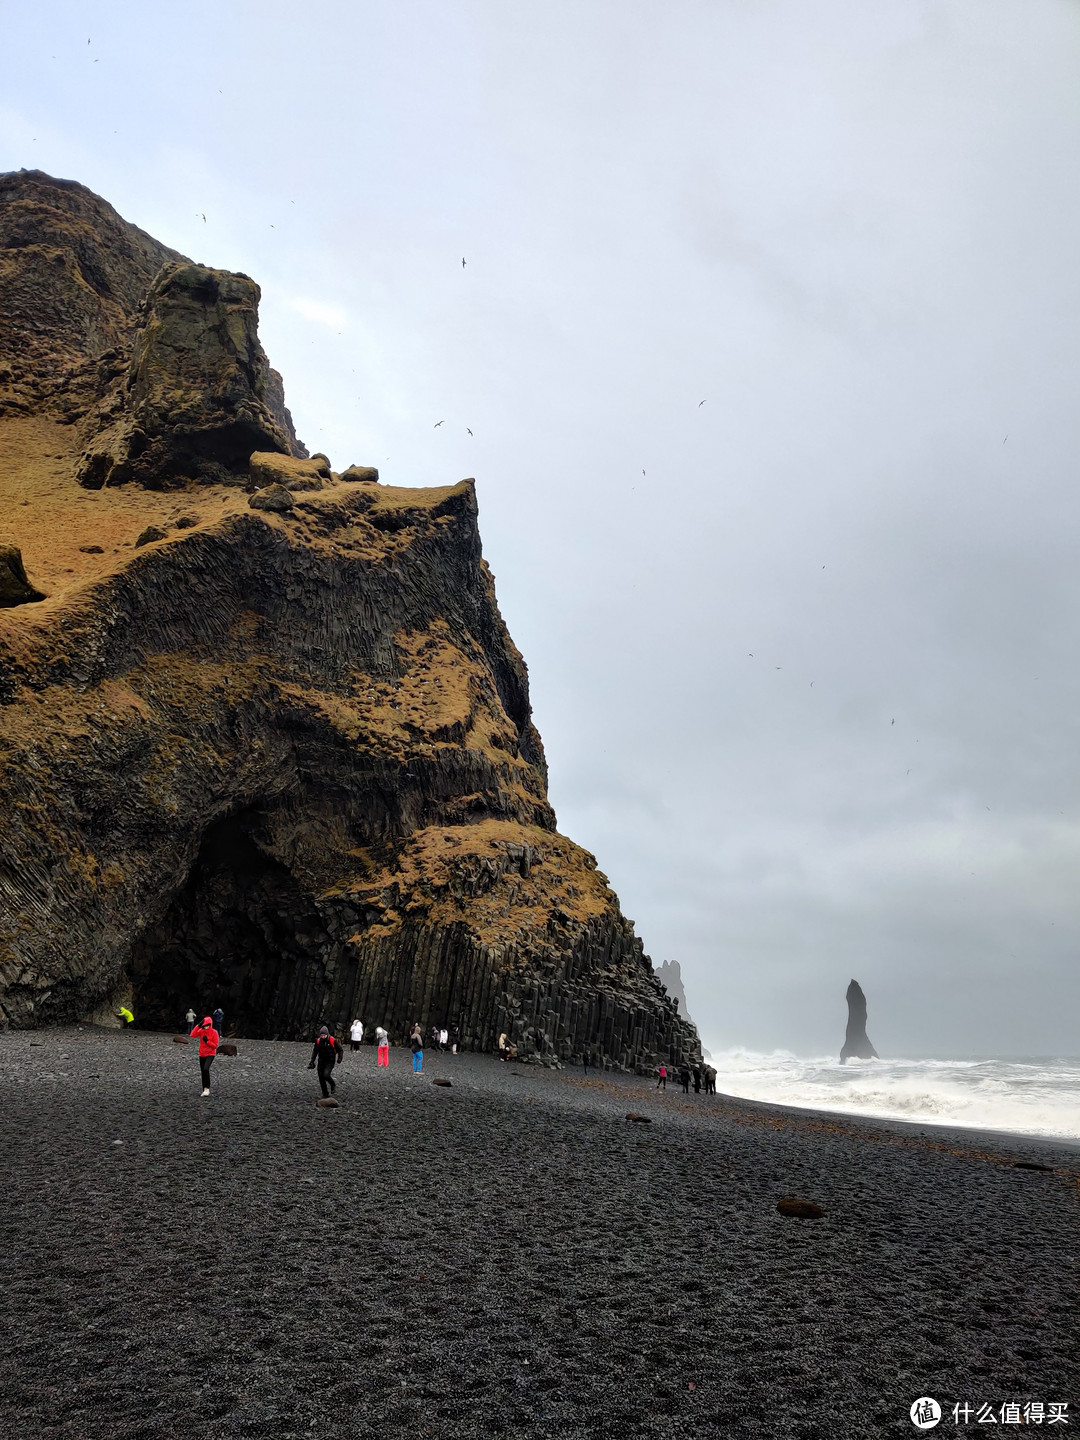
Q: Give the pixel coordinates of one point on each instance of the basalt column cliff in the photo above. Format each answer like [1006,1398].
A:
[264,738]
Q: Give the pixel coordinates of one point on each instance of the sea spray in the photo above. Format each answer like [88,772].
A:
[1033,1096]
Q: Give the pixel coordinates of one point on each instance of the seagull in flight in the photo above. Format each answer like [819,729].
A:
[468,430]
[437,424]
[700,403]
[463,262]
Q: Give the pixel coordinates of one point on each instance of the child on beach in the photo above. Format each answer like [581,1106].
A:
[356,1034]
[417,1043]
[661,1083]
[382,1045]
[208,1043]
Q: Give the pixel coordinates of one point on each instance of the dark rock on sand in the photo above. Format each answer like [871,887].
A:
[91,550]
[15,588]
[328,1104]
[149,535]
[639,1119]
[181,1039]
[856,1041]
[438,1081]
[226,1048]
[799,1209]
[1029,1165]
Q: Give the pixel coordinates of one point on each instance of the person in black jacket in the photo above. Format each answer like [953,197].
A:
[326,1053]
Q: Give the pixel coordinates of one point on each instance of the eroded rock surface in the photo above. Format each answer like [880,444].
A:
[196,392]
[283,762]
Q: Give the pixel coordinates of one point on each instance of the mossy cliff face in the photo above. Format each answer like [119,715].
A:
[280,761]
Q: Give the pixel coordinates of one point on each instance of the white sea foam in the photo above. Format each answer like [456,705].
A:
[1028,1097]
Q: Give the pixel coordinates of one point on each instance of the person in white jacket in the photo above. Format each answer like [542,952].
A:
[356,1034]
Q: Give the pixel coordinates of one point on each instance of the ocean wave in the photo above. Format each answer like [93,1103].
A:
[1030,1097]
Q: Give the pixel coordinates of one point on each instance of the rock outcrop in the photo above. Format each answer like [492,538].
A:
[856,1041]
[277,760]
[78,287]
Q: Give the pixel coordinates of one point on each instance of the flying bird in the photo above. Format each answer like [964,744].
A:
[643,472]
[437,424]
[700,403]
[468,430]
[203,217]
[463,262]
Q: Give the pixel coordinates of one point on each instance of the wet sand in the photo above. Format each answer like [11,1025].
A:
[507,1256]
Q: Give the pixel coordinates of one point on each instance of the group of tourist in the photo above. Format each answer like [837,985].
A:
[702,1077]
[326,1053]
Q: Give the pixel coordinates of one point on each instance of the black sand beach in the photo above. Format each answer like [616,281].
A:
[507,1256]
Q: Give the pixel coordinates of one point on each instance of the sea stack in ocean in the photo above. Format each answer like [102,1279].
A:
[856,1042]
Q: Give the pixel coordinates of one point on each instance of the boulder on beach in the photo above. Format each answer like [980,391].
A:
[180,1039]
[797,1208]
[328,1104]
[856,1042]
[226,1049]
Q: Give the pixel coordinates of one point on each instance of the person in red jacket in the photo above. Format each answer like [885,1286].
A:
[208,1043]
[326,1053]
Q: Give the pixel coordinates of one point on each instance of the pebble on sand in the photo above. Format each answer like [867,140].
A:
[180,1039]
[800,1209]
[638,1119]
[328,1104]
[442,1082]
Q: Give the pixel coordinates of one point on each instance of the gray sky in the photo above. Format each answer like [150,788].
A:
[809,685]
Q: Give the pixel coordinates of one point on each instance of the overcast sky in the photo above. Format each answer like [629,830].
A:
[804,656]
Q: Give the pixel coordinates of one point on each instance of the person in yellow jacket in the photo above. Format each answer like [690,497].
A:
[125,1016]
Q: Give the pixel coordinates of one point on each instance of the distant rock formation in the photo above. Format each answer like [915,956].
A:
[856,1041]
[276,759]
[670,976]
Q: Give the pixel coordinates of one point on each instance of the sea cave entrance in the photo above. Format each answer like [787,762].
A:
[242,934]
